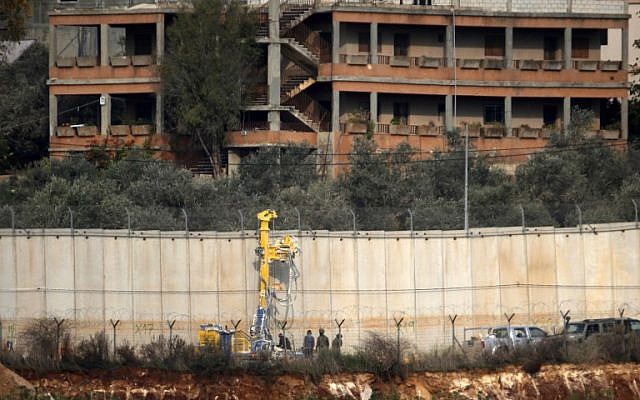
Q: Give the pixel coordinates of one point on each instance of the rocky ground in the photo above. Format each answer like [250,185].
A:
[609,381]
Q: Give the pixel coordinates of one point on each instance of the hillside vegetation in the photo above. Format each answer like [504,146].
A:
[384,190]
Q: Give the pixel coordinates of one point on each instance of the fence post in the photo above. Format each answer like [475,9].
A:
[353,215]
[453,330]
[509,318]
[128,220]
[298,214]
[171,324]
[635,209]
[58,347]
[13,218]
[565,318]
[524,226]
[339,334]
[71,219]
[579,218]
[186,221]
[410,220]
[235,328]
[398,322]
[114,324]
[241,221]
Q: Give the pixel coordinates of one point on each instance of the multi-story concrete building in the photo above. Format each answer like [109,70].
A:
[505,72]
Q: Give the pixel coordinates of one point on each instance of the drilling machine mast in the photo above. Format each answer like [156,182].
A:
[283,250]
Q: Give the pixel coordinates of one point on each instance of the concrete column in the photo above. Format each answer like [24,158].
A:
[105,114]
[274,19]
[274,120]
[335,43]
[566,114]
[273,67]
[508,47]
[335,111]
[448,50]
[159,113]
[53,114]
[160,39]
[373,107]
[567,48]
[373,43]
[53,50]
[625,48]
[273,73]
[507,115]
[624,117]
[448,113]
[104,44]
[234,162]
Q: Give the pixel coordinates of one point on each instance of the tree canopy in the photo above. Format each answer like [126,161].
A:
[382,190]
[24,108]
[210,49]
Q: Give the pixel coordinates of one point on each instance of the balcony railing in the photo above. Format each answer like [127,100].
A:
[525,6]
[480,63]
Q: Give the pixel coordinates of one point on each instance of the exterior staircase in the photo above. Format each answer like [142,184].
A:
[255,95]
[308,111]
[300,54]
[291,14]
[294,80]
[305,49]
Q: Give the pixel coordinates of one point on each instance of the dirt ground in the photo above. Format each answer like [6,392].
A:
[610,381]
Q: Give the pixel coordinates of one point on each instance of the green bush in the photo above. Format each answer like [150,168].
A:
[126,355]
[93,353]
[162,353]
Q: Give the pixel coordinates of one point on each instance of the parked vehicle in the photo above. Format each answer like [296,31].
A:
[504,337]
[580,330]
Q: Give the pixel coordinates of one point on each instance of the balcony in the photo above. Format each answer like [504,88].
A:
[260,136]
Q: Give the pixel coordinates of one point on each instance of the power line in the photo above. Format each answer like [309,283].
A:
[376,157]
[5,130]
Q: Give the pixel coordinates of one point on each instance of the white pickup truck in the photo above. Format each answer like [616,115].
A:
[505,338]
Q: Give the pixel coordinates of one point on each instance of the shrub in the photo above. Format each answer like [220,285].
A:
[447,359]
[208,360]
[46,342]
[93,353]
[126,354]
[162,353]
[381,356]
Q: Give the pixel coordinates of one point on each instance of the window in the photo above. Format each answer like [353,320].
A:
[519,333]
[549,115]
[379,42]
[494,114]
[575,328]
[500,333]
[363,42]
[142,44]
[634,326]
[580,48]
[550,48]
[401,113]
[494,46]
[592,328]
[401,45]
[537,332]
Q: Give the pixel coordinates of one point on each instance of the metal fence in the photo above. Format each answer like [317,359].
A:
[435,215]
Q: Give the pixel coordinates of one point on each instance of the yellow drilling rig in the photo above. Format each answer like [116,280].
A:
[278,275]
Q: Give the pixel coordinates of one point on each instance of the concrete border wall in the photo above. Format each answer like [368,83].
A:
[368,278]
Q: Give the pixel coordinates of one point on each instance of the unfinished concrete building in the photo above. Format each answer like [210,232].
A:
[505,72]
